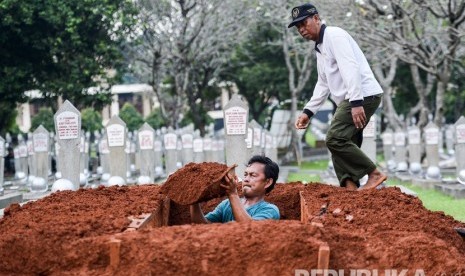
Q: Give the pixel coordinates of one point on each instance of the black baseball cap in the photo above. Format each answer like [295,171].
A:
[301,12]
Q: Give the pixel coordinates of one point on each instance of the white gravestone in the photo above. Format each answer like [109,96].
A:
[170,142]
[414,145]
[41,147]
[22,149]
[187,140]
[256,139]
[2,162]
[197,144]
[235,115]
[67,127]
[400,150]
[179,152]
[215,149]
[17,163]
[387,138]
[460,148]
[116,137]
[249,141]
[104,154]
[450,140]
[431,136]
[207,149]
[158,151]
[146,138]
[268,144]
[30,156]
[274,151]
[222,157]
[369,139]
[82,151]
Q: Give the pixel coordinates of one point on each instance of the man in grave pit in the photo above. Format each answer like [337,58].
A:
[260,178]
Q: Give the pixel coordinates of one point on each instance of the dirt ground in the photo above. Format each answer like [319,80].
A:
[68,233]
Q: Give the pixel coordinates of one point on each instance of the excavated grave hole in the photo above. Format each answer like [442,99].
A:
[86,233]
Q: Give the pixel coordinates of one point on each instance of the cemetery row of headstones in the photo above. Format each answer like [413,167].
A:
[420,154]
[122,155]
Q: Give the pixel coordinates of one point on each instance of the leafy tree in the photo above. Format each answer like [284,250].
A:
[91,120]
[8,115]
[61,48]
[131,117]
[188,42]
[44,117]
[259,71]
[155,119]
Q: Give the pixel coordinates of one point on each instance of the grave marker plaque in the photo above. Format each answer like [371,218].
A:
[41,147]
[460,144]
[198,150]
[256,139]
[146,139]
[170,141]
[249,141]
[414,145]
[67,127]
[236,117]
[104,154]
[187,140]
[401,150]
[369,139]
[431,135]
[387,139]
[30,156]
[116,139]
[207,149]
[2,162]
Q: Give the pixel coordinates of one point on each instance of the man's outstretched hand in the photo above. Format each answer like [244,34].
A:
[302,121]
[230,184]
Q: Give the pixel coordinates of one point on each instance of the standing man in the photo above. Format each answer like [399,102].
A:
[343,74]
[259,179]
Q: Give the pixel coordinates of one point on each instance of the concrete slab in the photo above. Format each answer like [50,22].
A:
[405,178]
[10,197]
[35,196]
[406,190]
[455,190]
[425,183]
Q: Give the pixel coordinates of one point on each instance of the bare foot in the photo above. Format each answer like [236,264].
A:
[375,178]
[350,185]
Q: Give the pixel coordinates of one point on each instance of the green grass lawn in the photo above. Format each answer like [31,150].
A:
[432,200]
[314,165]
[303,177]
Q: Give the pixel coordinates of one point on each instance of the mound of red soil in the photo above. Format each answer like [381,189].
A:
[257,248]
[68,233]
[34,236]
[195,182]
[383,229]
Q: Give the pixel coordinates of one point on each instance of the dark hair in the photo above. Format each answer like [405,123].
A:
[271,169]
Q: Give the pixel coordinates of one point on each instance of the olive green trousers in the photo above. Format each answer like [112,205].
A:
[344,140]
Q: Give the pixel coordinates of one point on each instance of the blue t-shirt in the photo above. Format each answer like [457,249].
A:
[259,211]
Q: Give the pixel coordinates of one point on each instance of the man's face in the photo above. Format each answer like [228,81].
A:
[309,27]
[254,182]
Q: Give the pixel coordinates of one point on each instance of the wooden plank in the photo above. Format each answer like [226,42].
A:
[141,221]
[165,211]
[303,208]
[323,257]
[115,247]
